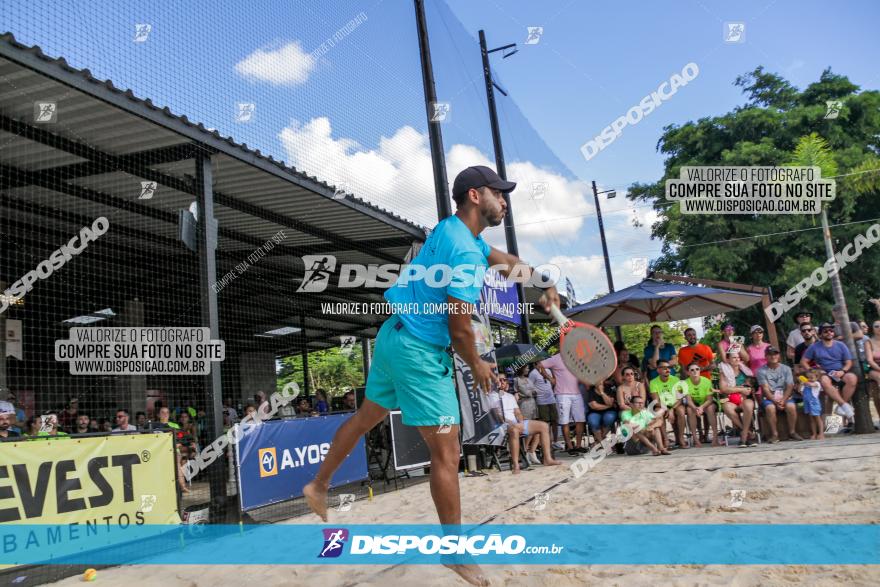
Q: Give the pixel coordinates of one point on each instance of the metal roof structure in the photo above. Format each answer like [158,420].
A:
[107,141]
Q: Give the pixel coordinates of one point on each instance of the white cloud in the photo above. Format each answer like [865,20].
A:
[397,175]
[287,65]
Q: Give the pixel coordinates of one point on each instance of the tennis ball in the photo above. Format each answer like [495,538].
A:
[90,575]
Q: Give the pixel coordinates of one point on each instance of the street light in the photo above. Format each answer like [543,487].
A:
[611,194]
[509,231]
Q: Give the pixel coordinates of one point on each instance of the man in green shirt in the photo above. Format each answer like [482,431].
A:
[644,425]
[49,427]
[699,400]
[662,390]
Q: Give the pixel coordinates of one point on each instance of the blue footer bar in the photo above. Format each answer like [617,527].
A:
[704,544]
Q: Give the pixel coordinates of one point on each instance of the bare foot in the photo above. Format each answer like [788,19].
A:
[716,442]
[665,452]
[698,444]
[316,495]
[515,472]
[470,573]
[821,436]
[549,462]
[683,445]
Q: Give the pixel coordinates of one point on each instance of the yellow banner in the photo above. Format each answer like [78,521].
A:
[110,481]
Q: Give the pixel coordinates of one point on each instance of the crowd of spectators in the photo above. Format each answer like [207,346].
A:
[694,385]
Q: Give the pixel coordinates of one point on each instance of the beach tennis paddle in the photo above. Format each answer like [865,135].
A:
[585,349]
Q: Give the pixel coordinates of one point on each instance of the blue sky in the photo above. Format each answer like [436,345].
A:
[353,113]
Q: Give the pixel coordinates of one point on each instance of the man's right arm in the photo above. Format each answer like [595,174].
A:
[464,343]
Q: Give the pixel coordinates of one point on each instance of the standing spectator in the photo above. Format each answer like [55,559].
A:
[795,337]
[140,420]
[696,352]
[700,400]
[866,330]
[757,349]
[7,416]
[83,424]
[812,405]
[837,313]
[67,421]
[658,350]
[629,388]
[649,426]
[122,424]
[546,402]
[624,358]
[736,396]
[777,383]
[663,391]
[835,360]
[602,414]
[231,412]
[727,340]
[569,402]
[872,355]
[527,393]
[809,335]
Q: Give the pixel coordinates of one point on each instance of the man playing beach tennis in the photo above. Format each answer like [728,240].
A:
[411,368]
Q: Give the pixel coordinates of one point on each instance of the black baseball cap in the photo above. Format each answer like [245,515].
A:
[771,350]
[478,176]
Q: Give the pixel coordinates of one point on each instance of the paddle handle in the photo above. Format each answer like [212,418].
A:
[557,314]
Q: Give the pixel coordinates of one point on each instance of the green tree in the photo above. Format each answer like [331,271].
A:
[329,369]
[775,250]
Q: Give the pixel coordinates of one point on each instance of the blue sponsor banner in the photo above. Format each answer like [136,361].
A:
[499,299]
[277,459]
[380,544]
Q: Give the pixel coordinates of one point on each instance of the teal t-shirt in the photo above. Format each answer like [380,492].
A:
[455,262]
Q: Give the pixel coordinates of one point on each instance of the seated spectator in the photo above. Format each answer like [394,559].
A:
[795,337]
[624,358]
[140,420]
[165,422]
[106,425]
[49,426]
[757,349]
[629,388]
[122,424]
[872,357]
[777,383]
[350,401]
[526,393]
[7,416]
[303,408]
[321,404]
[183,456]
[658,350]
[32,426]
[700,400]
[736,396]
[662,390]
[812,406]
[602,414]
[649,426]
[535,431]
[94,425]
[696,352]
[835,361]
[190,431]
[83,424]
[809,336]
[728,339]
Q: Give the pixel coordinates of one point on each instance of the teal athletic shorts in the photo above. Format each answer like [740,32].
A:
[413,375]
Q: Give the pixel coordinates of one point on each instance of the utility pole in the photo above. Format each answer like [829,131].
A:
[611,194]
[509,230]
[863,423]
[435,138]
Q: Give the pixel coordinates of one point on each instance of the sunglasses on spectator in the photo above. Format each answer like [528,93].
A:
[694,370]
[807,329]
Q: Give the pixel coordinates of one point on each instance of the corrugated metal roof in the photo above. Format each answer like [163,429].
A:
[105,132]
